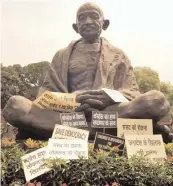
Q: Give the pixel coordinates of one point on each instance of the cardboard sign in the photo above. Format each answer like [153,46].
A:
[151,145]
[64,96]
[75,119]
[65,132]
[106,142]
[57,101]
[115,95]
[34,164]
[104,119]
[67,149]
[134,126]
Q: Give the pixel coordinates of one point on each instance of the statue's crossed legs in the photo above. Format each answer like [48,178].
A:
[39,123]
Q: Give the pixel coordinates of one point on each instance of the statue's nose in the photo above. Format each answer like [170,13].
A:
[88,20]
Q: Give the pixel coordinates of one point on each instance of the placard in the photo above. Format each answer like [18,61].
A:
[67,149]
[57,102]
[75,119]
[34,164]
[115,95]
[106,142]
[134,126]
[65,132]
[151,145]
[67,97]
[104,119]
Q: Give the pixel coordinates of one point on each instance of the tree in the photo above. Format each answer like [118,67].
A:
[167,89]
[24,81]
[147,79]
[33,76]
[10,82]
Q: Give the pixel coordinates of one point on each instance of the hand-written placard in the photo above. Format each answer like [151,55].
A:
[34,164]
[104,119]
[67,97]
[75,119]
[151,145]
[134,126]
[106,142]
[65,132]
[67,149]
[115,95]
[57,102]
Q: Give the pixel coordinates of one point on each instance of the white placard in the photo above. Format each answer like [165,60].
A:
[134,126]
[67,149]
[65,132]
[151,145]
[115,95]
[34,164]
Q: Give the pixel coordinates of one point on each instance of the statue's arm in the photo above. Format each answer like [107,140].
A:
[53,80]
[127,84]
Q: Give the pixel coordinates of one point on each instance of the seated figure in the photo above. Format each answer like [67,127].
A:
[85,67]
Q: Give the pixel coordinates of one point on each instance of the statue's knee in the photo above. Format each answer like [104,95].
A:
[156,95]
[12,101]
[157,99]
[17,105]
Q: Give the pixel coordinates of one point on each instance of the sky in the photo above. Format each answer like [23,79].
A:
[34,30]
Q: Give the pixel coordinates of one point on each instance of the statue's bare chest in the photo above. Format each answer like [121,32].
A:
[82,67]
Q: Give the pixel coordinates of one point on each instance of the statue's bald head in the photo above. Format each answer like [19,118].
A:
[90,6]
[90,21]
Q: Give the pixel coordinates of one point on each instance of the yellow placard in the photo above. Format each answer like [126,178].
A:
[60,102]
[65,96]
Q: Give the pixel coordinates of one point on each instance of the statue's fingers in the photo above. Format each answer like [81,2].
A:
[82,107]
[82,98]
[92,92]
[94,103]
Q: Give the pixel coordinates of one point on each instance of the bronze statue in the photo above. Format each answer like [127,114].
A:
[85,67]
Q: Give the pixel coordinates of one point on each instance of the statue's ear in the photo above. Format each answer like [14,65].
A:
[106,24]
[75,27]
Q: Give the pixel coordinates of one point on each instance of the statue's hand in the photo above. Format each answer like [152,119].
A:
[97,99]
[130,95]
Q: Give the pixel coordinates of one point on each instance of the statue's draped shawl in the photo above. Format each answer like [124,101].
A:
[114,71]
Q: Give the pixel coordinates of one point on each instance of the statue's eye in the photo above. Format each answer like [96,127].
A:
[82,17]
[94,16]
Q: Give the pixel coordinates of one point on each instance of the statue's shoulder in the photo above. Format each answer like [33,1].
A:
[119,53]
[66,49]
[63,53]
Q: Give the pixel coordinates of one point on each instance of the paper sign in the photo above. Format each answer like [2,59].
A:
[115,95]
[57,101]
[67,149]
[151,145]
[44,100]
[134,126]
[106,142]
[65,132]
[61,106]
[33,164]
[65,97]
[75,119]
[104,119]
